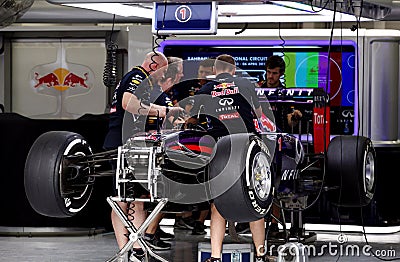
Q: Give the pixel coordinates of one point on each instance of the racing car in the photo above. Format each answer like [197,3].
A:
[242,173]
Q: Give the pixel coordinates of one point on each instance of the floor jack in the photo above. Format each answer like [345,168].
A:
[136,234]
[146,173]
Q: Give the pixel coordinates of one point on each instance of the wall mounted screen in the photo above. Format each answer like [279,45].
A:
[306,67]
[184,18]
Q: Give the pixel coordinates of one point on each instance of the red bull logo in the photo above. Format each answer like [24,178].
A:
[61,79]
[264,125]
[224,85]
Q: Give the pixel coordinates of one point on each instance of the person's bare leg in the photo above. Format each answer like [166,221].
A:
[137,217]
[119,228]
[276,211]
[186,214]
[151,229]
[258,232]
[217,232]
[203,215]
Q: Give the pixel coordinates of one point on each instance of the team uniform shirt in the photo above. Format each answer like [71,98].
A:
[280,109]
[228,103]
[157,97]
[137,83]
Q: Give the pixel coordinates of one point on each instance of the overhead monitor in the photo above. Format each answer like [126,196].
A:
[184,18]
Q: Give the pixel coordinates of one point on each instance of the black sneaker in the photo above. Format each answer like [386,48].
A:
[184,223]
[242,228]
[155,243]
[274,233]
[198,228]
[164,236]
[212,259]
[273,228]
[136,255]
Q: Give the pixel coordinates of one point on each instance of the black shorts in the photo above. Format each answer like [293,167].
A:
[135,190]
[203,206]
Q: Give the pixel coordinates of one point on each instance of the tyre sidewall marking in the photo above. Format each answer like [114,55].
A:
[250,191]
[69,201]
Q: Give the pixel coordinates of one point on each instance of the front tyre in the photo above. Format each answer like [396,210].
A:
[246,192]
[351,171]
[57,183]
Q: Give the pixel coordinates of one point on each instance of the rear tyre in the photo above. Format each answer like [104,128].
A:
[245,192]
[351,171]
[57,186]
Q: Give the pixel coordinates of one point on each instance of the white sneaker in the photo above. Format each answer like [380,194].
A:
[136,257]
[123,258]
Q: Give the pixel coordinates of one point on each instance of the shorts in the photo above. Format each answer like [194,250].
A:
[135,190]
[203,206]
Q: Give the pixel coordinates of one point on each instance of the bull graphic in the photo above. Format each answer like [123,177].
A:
[72,80]
[61,75]
[48,80]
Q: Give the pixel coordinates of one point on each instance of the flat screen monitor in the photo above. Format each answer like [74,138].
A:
[185,18]
[306,67]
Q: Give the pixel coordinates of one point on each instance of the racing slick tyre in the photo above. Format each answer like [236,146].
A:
[351,171]
[241,178]
[56,184]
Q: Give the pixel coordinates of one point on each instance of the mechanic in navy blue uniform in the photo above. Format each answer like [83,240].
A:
[132,95]
[233,103]
[286,117]
[189,87]
[230,105]
[159,94]
[154,235]
[183,91]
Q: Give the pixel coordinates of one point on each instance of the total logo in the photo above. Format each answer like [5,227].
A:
[228,116]
[61,79]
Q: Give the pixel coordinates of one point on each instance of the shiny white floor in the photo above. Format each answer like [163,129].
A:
[102,246]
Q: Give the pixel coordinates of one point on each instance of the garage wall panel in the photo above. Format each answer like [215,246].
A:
[384,73]
[59,79]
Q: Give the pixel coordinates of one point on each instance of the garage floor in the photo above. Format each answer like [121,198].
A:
[100,246]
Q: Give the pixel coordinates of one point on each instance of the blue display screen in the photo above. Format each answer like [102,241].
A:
[193,18]
[306,69]
[306,62]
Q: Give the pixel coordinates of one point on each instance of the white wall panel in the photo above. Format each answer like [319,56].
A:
[58,78]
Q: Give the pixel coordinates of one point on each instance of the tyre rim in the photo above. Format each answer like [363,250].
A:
[369,172]
[83,191]
[83,197]
[261,176]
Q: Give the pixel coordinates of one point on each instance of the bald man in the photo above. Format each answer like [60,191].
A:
[132,94]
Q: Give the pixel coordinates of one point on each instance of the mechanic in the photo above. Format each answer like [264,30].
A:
[194,220]
[189,87]
[237,117]
[160,94]
[132,94]
[286,119]
[154,235]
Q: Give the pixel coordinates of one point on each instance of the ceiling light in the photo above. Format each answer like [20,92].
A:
[117,9]
[278,11]
[272,12]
